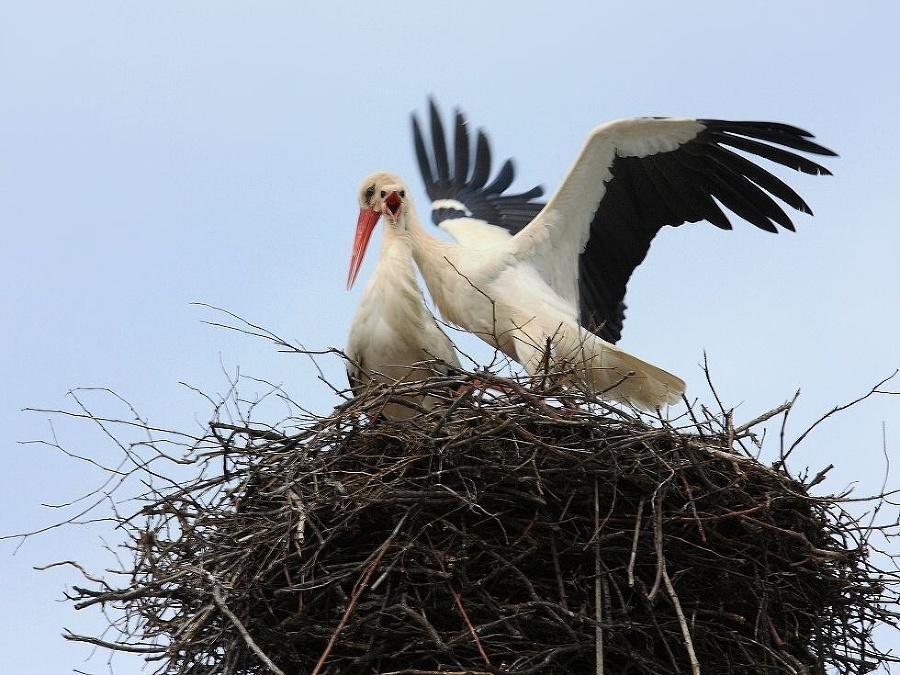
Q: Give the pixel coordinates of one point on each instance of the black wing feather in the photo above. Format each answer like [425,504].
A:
[442,164]
[767,181]
[771,152]
[422,156]
[482,169]
[468,182]
[461,148]
[771,132]
[685,185]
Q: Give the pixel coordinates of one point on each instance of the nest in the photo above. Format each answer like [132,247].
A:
[509,533]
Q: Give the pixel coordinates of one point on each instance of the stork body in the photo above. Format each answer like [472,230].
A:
[394,338]
[499,294]
[632,178]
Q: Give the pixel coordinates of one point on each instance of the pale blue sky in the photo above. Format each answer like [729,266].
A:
[155,154]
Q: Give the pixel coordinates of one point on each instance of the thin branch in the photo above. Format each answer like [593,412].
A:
[682,622]
[114,646]
[220,603]
[598,587]
[472,631]
[839,408]
[357,592]
[634,542]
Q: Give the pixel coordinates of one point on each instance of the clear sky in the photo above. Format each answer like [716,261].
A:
[157,154]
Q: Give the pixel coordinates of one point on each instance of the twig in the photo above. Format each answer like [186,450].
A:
[220,603]
[746,426]
[76,565]
[357,592]
[469,625]
[264,434]
[634,542]
[656,503]
[115,646]
[712,387]
[685,632]
[839,408]
[819,477]
[598,588]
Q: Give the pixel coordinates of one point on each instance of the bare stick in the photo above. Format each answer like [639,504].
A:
[114,646]
[220,603]
[634,543]
[838,408]
[76,565]
[469,625]
[765,416]
[598,588]
[685,632]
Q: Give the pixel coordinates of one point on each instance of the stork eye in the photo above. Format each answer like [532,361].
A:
[370,192]
[383,194]
[403,194]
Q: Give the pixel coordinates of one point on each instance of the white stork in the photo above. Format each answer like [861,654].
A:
[393,338]
[499,294]
[632,177]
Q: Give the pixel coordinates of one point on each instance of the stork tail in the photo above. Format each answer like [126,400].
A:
[602,369]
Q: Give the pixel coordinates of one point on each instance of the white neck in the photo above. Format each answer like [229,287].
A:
[395,264]
[430,252]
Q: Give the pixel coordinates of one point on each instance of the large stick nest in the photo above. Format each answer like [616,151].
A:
[505,533]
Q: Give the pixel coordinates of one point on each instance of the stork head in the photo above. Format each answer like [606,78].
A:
[381,194]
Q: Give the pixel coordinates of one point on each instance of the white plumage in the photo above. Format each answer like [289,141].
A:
[393,338]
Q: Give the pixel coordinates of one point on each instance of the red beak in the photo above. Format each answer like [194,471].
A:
[364,228]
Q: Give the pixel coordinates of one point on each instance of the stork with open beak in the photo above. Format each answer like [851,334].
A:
[632,178]
[394,338]
[499,294]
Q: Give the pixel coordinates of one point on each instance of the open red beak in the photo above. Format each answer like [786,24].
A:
[368,218]
[392,203]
